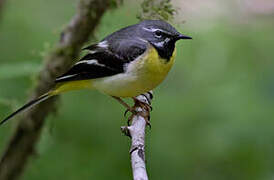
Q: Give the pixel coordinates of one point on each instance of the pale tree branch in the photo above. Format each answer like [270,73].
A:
[150,9]
[22,143]
[136,131]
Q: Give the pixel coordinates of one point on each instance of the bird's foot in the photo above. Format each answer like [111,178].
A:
[146,107]
[141,104]
[133,112]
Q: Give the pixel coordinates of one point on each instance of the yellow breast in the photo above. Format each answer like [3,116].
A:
[156,68]
[141,75]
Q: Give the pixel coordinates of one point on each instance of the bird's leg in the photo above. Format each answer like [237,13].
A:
[137,103]
[129,109]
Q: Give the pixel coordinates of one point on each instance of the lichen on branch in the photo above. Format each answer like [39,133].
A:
[156,9]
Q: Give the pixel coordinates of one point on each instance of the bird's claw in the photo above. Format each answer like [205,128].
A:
[132,110]
[125,113]
[139,104]
[148,121]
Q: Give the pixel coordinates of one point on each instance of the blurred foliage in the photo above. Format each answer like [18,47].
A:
[116,3]
[156,9]
[16,70]
[212,117]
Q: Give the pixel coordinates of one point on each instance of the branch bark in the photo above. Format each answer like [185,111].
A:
[136,131]
[22,143]
[151,9]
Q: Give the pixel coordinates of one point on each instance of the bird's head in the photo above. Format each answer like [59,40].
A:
[161,35]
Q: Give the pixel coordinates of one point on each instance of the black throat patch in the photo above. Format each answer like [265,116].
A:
[165,51]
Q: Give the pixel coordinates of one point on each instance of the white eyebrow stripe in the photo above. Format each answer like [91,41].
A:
[151,29]
[155,29]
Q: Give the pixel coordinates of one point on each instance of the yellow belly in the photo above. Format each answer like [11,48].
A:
[141,76]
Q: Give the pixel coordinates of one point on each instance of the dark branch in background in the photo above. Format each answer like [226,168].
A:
[26,136]
[1,6]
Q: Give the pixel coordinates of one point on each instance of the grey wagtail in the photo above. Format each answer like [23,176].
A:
[127,63]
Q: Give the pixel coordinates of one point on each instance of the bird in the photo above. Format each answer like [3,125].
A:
[124,64]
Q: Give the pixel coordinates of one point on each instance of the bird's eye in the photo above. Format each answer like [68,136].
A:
[158,34]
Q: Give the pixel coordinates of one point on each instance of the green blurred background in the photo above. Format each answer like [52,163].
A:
[213,117]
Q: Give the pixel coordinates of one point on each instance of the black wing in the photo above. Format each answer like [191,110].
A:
[93,66]
[104,59]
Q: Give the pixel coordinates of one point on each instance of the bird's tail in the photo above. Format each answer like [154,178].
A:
[59,88]
[27,106]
